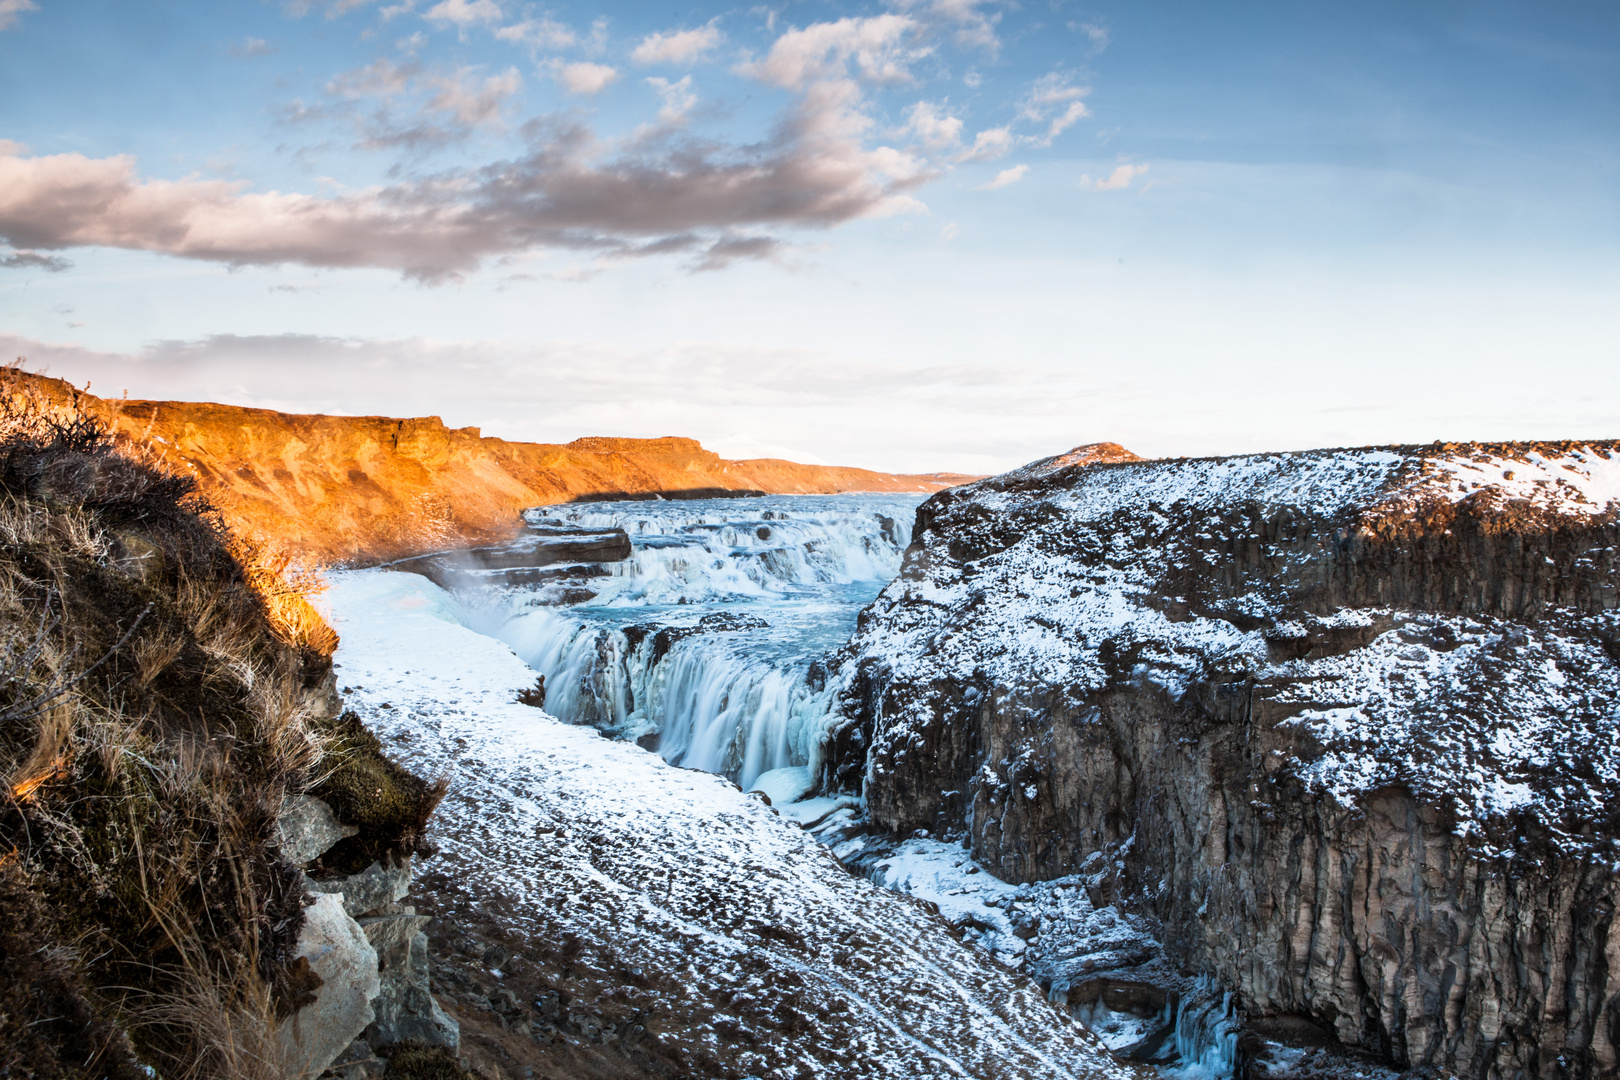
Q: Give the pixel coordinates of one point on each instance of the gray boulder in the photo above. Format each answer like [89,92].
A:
[307,829]
[370,889]
[340,953]
[406,1010]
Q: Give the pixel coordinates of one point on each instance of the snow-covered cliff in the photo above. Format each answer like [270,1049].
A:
[1350,719]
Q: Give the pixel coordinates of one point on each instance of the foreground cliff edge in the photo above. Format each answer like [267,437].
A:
[1345,724]
[201,862]
[366,489]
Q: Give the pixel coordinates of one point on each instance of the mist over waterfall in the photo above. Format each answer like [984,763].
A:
[703,643]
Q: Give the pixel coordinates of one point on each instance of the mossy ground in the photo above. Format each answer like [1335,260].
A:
[411,1061]
[364,787]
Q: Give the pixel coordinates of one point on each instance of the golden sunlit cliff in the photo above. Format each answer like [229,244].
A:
[359,489]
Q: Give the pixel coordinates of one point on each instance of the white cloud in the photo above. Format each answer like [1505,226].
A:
[247,46]
[471,102]
[990,144]
[599,36]
[1005,178]
[334,8]
[973,26]
[1056,102]
[381,78]
[676,98]
[677,46]
[463,100]
[542,33]
[464,12]
[1066,119]
[584,77]
[824,50]
[10,9]
[950,232]
[1117,180]
[934,128]
[1097,34]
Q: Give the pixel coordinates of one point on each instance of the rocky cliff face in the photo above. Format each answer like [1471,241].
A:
[1346,722]
[371,488]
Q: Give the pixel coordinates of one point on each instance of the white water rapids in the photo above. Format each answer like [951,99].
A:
[702,642]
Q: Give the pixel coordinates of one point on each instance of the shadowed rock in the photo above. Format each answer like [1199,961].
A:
[307,829]
[1347,718]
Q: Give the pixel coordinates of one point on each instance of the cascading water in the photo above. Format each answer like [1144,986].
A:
[1206,1032]
[702,642]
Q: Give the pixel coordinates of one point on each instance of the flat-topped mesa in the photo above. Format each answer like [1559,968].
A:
[373,488]
[1347,720]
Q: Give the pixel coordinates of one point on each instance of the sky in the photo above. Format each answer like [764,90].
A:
[909,234]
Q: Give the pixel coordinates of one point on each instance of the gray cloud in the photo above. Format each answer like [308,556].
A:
[662,192]
[33,260]
[853,411]
[723,252]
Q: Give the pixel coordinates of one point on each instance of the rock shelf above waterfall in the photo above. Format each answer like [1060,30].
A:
[557,561]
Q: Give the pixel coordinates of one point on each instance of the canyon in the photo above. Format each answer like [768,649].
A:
[1296,766]
[1283,766]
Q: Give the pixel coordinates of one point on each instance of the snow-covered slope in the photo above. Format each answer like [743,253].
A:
[760,955]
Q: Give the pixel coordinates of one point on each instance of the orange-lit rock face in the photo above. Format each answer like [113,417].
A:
[370,488]
[1101,453]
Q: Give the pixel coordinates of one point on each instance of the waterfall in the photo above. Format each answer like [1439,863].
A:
[1193,1036]
[1206,1032]
[703,642]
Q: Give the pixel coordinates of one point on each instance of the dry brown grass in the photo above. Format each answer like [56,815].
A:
[155,707]
[286,587]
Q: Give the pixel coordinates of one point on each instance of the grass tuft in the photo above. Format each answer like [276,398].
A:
[414,1061]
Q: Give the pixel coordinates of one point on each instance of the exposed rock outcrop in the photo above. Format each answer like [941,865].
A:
[556,563]
[337,950]
[373,488]
[1348,720]
[369,950]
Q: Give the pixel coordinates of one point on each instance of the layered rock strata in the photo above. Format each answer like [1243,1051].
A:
[555,563]
[1347,722]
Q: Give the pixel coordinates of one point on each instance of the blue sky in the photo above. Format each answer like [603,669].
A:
[918,234]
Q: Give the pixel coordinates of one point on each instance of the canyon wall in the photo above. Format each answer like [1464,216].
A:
[360,489]
[1346,722]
